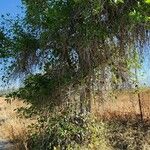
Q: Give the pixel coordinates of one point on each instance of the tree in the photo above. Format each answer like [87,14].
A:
[74,41]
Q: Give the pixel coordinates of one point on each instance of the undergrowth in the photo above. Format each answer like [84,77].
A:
[65,132]
[62,130]
[78,132]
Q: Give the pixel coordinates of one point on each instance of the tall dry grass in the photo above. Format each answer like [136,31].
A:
[13,128]
[124,104]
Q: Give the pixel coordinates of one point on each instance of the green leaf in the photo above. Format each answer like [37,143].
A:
[119,1]
[147,1]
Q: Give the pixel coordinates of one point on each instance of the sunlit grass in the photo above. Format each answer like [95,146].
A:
[13,128]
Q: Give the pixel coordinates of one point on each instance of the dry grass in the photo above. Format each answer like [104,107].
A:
[13,128]
[123,104]
[121,114]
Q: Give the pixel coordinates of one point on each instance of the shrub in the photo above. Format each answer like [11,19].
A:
[67,132]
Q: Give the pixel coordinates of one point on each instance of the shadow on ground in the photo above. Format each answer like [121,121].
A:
[128,133]
[5,145]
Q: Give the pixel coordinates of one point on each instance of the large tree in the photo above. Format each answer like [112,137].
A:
[75,42]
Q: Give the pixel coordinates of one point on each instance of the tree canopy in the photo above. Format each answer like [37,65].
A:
[72,40]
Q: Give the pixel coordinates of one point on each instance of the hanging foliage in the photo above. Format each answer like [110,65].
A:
[77,42]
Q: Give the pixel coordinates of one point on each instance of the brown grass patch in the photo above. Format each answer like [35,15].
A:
[124,104]
[13,128]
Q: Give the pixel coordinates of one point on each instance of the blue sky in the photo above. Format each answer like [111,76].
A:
[13,7]
[10,6]
[144,73]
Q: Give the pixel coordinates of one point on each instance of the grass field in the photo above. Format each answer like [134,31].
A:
[122,105]
[13,128]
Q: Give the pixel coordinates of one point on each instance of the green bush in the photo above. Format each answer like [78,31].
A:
[65,132]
